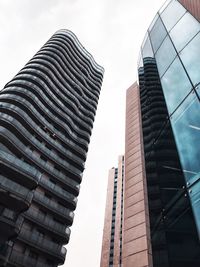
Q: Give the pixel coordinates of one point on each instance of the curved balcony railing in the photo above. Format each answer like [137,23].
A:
[20,102]
[74,65]
[48,223]
[19,166]
[73,129]
[83,52]
[69,89]
[34,126]
[19,259]
[57,56]
[73,55]
[47,246]
[75,52]
[54,207]
[66,196]
[21,132]
[21,196]
[52,50]
[72,102]
[55,88]
[74,185]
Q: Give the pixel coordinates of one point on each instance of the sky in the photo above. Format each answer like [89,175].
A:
[112,31]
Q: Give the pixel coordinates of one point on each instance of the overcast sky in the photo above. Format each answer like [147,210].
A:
[112,31]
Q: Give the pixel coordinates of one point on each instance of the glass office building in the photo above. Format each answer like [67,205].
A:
[46,119]
[161,187]
[169,85]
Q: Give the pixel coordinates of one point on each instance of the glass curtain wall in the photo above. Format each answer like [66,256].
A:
[169,79]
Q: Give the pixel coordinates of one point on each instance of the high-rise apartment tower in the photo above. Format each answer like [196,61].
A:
[161,222]
[46,117]
[112,238]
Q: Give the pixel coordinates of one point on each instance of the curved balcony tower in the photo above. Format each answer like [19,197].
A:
[47,113]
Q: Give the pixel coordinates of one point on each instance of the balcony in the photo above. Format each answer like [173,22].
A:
[65,196]
[13,195]
[58,229]
[10,224]
[65,214]
[41,244]
[22,172]
[19,259]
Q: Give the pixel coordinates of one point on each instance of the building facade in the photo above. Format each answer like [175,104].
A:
[46,120]
[161,222]
[169,78]
[113,226]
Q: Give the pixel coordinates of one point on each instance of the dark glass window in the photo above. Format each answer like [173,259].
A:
[186,127]
[157,34]
[33,255]
[194,193]
[173,12]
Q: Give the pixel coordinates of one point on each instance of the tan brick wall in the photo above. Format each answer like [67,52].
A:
[136,246]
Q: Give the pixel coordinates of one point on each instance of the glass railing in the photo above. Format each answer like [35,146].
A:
[38,115]
[73,99]
[41,132]
[52,205]
[16,189]
[53,102]
[82,50]
[47,51]
[73,63]
[19,259]
[48,222]
[18,164]
[78,96]
[41,242]
[50,127]
[45,165]
[66,195]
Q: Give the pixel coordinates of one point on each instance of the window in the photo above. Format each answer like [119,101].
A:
[184,31]
[157,34]
[165,55]
[43,158]
[47,195]
[173,12]
[57,168]
[33,255]
[176,85]
[39,233]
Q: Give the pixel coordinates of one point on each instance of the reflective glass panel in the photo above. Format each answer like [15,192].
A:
[147,49]
[184,31]
[165,55]
[157,34]
[164,6]
[176,85]
[140,61]
[173,12]
[191,59]
[186,127]
[153,22]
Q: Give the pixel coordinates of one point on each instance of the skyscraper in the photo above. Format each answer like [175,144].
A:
[161,222]
[112,238]
[46,119]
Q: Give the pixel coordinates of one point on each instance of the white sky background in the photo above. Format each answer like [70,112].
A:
[112,31]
